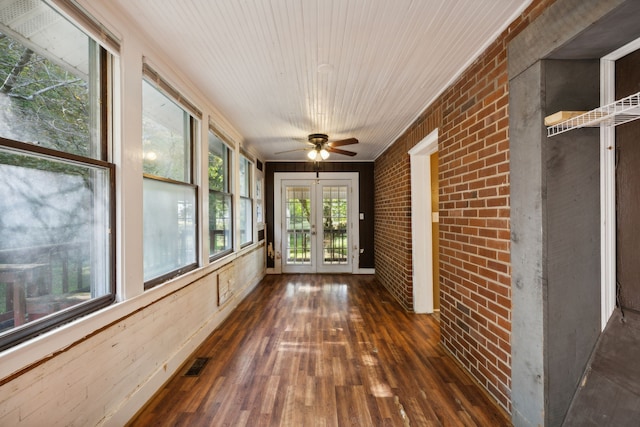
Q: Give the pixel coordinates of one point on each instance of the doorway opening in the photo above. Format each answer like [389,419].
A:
[316,223]
[621,284]
[424,224]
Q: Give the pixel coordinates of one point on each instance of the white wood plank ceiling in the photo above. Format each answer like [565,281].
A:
[279,70]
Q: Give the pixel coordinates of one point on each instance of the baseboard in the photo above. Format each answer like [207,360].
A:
[358,271]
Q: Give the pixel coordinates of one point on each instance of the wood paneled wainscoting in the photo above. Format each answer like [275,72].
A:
[322,350]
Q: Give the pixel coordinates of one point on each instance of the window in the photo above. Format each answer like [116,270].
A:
[246,202]
[56,184]
[220,201]
[169,195]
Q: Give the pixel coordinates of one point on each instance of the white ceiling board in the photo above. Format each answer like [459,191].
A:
[279,70]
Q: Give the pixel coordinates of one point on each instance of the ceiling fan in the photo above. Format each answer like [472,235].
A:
[320,147]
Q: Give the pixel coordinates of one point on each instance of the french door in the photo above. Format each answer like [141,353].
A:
[316,226]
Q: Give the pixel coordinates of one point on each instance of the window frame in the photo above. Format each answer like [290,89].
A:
[249,197]
[30,330]
[105,70]
[229,193]
[151,77]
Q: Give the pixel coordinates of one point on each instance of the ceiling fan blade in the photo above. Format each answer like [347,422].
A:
[342,142]
[339,151]
[291,151]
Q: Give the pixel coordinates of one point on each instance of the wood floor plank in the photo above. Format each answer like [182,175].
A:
[269,394]
[323,350]
[352,406]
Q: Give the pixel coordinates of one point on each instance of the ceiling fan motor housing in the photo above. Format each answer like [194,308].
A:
[318,138]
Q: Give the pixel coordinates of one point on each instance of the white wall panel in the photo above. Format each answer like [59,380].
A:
[107,377]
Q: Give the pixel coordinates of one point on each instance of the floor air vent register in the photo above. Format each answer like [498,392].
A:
[197,367]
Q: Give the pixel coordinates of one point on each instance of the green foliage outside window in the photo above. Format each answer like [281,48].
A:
[42,102]
[220,224]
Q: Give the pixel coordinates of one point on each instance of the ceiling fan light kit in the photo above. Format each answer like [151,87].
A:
[318,152]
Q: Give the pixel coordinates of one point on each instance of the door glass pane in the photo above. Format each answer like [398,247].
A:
[334,225]
[298,225]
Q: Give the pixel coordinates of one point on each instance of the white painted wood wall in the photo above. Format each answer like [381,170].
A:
[101,369]
[106,378]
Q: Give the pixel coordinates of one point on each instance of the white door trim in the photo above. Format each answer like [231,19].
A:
[421,220]
[607,198]
[608,185]
[354,224]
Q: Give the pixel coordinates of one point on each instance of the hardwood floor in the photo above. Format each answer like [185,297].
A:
[322,350]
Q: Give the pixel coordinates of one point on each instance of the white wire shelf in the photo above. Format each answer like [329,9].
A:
[621,111]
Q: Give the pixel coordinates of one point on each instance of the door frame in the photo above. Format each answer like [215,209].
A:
[421,234]
[354,205]
[608,185]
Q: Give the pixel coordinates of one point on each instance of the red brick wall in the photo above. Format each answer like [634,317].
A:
[473,173]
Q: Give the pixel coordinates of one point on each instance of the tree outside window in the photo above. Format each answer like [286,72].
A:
[220,198]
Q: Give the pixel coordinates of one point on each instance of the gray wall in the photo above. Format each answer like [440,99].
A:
[555,246]
[528,183]
[555,251]
[572,164]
